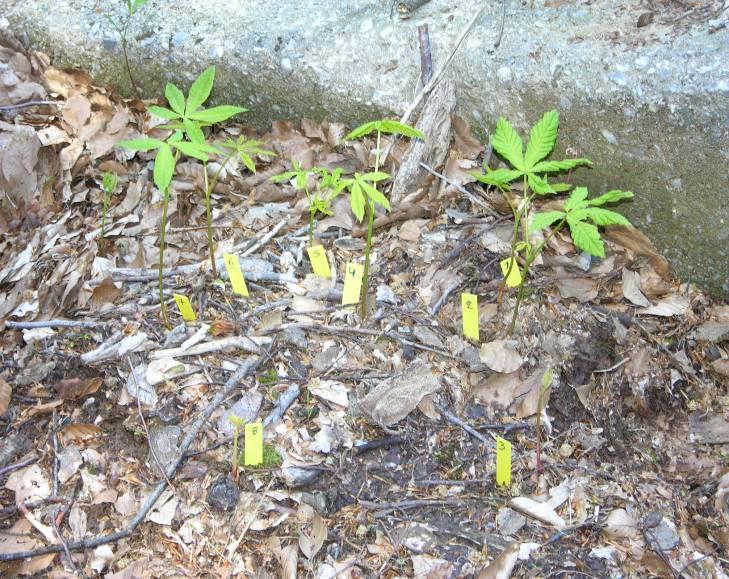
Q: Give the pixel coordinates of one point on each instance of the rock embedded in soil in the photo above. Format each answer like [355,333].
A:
[223,494]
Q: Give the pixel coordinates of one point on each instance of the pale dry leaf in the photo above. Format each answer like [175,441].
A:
[542,512]
[412,229]
[631,289]
[164,508]
[720,366]
[20,537]
[621,525]
[469,146]
[503,566]
[311,542]
[80,434]
[580,288]
[429,567]
[498,389]
[29,483]
[6,393]
[330,391]
[528,404]
[722,494]
[674,305]
[651,283]
[501,356]
[76,111]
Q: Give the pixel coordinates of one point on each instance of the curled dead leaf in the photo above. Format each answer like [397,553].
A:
[621,525]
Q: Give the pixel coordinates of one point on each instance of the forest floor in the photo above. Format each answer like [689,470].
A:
[380,434]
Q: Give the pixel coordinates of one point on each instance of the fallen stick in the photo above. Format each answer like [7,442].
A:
[252,345]
[52,324]
[244,370]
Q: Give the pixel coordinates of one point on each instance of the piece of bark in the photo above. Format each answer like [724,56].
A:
[435,124]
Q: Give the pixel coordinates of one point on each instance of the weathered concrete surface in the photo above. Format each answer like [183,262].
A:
[649,105]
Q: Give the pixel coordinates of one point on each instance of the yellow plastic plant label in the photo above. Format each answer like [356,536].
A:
[254,444]
[469,312]
[319,261]
[503,461]
[235,274]
[352,283]
[514,276]
[185,307]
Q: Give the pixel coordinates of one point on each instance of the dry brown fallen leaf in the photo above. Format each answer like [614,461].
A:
[80,434]
[77,388]
[637,241]
[720,366]
[6,393]
[503,565]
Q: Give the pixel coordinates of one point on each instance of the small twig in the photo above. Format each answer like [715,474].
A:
[501,27]
[27,105]
[441,300]
[451,482]
[385,442]
[458,422]
[264,308]
[11,467]
[471,197]
[426,58]
[52,324]
[144,425]
[611,368]
[411,504]
[265,239]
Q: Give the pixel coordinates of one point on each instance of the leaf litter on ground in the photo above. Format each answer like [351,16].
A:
[372,478]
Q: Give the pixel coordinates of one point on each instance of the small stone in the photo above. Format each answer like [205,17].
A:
[606,553]
[417,538]
[325,359]
[385,294]
[178,39]
[509,521]
[566,450]
[504,74]
[286,65]
[223,494]
[609,137]
[472,357]
[427,336]
[109,43]
[664,535]
[295,337]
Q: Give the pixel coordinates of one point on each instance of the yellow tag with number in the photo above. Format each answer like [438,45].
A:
[513,277]
[469,311]
[352,284]
[183,304]
[503,461]
[319,261]
[235,274]
[254,444]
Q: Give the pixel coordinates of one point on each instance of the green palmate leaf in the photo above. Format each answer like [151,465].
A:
[216,114]
[357,200]
[506,142]
[193,131]
[611,197]
[561,187]
[499,177]
[396,127]
[163,113]
[586,237]
[136,5]
[175,97]
[247,161]
[361,131]
[577,196]
[374,195]
[545,219]
[375,177]
[283,177]
[555,166]
[603,217]
[542,138]
[196,150]
[141,144]
[200,89]
[539,185]
[164,167]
